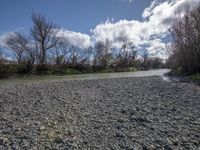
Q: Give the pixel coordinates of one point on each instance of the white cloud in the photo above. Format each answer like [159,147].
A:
[75,38]
[6,34]
[157,19]
[157,48]
[2,39]
[122,30]
[147,11]
[129,1]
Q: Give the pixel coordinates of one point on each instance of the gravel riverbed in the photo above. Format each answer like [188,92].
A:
[144,113]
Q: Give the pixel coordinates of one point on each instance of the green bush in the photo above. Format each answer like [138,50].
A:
[105,71]
[55,70]
[7,70]
[176,72]
[70,71]
[63,70]
[127,69]
[24,69]
[195,77]
[42,69]
[131,69]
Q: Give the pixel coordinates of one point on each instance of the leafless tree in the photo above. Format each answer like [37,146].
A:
[18,43]
[86,56]
[22,46]
[102,53]
[125,56]
[185,47]
[44,34]
[78,56]
[58,54]
[31,52]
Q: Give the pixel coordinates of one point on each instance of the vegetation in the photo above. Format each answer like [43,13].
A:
[195,77]
[185,48]
[45,52]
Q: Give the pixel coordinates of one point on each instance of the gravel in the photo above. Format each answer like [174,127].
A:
[143,113]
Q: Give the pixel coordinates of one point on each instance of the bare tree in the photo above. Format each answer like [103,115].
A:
[18,43]
[78,56]
[125,56]
[23,47]
[102,54]
[185,47]
[31,51]
[44,34]
[85,55]
[60,51]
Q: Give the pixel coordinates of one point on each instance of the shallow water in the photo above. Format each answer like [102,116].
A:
[157,72]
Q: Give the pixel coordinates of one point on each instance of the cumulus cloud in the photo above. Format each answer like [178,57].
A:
[157,48]
[6,34]
[75,38]
[157,19]
[133,31]
[2,39]
[147,34]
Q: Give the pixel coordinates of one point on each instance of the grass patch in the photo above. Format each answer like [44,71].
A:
[195,77]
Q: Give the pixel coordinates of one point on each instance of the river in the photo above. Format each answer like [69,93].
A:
[157,72]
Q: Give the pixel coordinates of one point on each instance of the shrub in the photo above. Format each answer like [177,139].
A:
[131,69]
[24,69]
[195,77]
[42,69]
[55,70]
[63,70]
[7,70]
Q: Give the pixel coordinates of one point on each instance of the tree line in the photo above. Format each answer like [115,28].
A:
[185,48]
[43,47]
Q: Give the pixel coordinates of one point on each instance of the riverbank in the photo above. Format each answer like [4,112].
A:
[23,70]
[89,76]
[123,113]
[177,77]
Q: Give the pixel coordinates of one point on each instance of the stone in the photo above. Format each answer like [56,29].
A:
[168,147]
[42,128]
[59,139]
[3,141]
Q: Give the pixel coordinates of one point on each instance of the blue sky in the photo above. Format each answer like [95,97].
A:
[76,15]
[146,23]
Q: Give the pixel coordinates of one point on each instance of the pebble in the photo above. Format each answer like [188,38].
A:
[128,113]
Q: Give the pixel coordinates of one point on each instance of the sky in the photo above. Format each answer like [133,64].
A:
[83,22]
[76,15]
